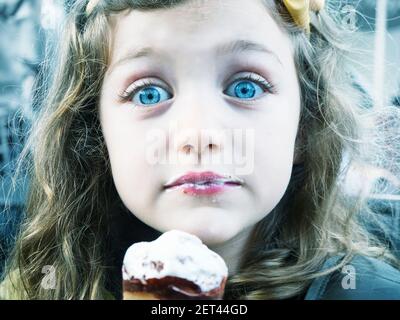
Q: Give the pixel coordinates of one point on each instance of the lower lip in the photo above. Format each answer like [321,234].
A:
[205,189]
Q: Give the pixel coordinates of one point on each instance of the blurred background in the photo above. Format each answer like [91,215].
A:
[28,27]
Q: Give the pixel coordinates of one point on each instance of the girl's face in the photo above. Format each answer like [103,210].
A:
[206,86]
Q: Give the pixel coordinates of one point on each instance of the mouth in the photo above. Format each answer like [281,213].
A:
[203,183]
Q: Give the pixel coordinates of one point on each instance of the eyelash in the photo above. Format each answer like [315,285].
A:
[134,88]
[266,85]
[129,93]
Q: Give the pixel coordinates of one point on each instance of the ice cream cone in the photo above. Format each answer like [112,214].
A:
[176,266]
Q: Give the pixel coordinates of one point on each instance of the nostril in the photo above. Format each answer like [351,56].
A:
[187,149]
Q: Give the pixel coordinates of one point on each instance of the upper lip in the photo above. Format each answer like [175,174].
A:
[202,177]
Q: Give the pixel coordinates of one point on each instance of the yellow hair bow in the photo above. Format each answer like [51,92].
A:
[300,11]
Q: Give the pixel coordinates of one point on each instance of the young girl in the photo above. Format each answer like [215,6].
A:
[141,95]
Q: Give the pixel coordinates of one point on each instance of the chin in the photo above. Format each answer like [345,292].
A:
[213,226]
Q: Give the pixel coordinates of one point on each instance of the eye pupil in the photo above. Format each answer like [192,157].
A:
[245,89]
[149,96]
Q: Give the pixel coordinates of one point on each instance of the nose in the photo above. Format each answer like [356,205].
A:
[198,144]
[199,130]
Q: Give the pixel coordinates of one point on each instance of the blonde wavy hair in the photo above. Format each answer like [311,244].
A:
[72,197]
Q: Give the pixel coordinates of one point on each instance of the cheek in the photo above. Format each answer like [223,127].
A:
[274,154]
[273,166]
[134,176]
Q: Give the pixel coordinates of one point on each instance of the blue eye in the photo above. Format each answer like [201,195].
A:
[247,89]
[150,95]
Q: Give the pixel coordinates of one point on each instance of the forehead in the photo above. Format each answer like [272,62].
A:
[197,27]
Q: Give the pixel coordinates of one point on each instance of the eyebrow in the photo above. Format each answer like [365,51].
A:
[239,46]
[232,47]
